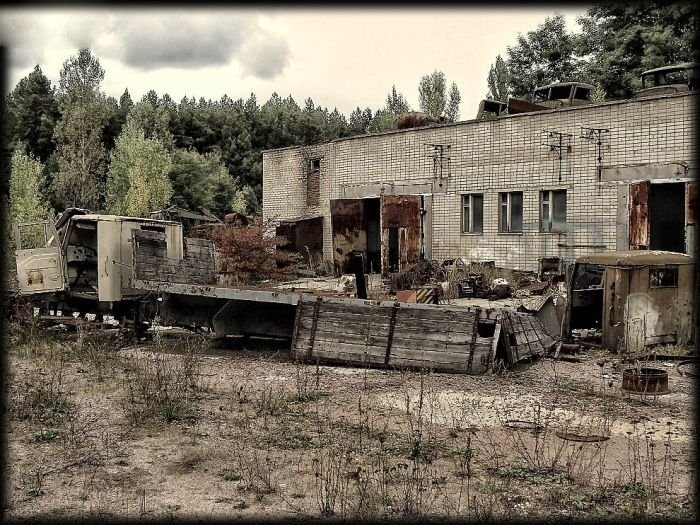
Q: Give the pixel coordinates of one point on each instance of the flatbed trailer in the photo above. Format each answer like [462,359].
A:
[161,276]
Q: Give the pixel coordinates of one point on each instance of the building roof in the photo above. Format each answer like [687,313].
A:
[572,83]
[682,65]
[635,258]
[120,218]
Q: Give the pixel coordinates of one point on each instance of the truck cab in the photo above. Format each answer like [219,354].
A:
[86,263]
[667,80]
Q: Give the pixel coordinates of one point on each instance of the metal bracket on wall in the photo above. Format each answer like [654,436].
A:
[556,141]
[596,135]
[439,153]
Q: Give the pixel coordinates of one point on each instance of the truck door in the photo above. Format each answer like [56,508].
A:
[38,256]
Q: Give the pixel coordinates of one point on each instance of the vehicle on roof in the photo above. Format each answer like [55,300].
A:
[675,78]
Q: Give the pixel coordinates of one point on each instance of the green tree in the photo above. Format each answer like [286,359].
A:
[78,134]
[116,118]
[396,103]
[32,114]
[360,121]
[623,40]
[154,119]
[201,181]
[26,200]
[138,174]
[545,55]
[498,81]
[433,97]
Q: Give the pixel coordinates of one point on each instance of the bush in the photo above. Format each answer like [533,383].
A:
[246,254]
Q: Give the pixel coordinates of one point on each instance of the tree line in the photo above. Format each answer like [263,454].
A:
[71,145]
[74,146]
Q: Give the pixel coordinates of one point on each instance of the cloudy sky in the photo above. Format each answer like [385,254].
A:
[341,58]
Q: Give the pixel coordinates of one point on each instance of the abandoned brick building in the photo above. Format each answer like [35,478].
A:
[554,183]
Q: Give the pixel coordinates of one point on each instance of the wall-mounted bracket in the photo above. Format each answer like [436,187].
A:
[556,141]
[595,135]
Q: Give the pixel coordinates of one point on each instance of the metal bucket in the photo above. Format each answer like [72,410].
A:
[645,381]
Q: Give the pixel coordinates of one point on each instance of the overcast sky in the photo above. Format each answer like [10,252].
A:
[341,58]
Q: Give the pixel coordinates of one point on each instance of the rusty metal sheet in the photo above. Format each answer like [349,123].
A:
[347,224]
[639,216]
[400,211]
[691,199]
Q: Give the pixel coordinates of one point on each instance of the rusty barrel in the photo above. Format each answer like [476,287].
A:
[649,381]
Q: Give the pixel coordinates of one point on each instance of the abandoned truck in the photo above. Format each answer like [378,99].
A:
[636,298]
[137,269]
[83,263]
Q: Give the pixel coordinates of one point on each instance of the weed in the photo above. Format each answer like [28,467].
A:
[330,480]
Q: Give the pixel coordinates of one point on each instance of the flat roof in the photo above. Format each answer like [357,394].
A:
[571,83]
[682,65]
[635,258]
[119,218]
[582,107]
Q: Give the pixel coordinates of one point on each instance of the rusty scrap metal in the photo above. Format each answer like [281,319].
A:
[645,381]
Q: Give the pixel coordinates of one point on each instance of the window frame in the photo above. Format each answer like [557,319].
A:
[550,205]
[508,228]
[468,197]
[672,269]
[312,165]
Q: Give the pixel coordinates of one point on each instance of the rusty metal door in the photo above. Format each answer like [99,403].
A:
[639,216]
[38,257]
[349,235]
[400,217]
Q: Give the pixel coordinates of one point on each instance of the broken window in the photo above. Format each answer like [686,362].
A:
[582,93]
[510,217]
[313,183]
[663,277]
[473,213]
[553,210]
[588,276]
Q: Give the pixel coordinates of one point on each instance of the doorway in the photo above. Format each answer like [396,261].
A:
[667,217]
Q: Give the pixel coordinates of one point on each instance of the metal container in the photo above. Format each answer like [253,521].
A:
[645,381]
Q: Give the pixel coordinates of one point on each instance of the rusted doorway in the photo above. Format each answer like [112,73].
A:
[401,231]
[667,217]
[356,228]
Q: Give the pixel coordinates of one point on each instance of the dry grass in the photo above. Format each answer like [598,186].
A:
[180,429]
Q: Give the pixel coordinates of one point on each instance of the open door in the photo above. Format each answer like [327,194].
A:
[401,232]
[38,257]
[639,229]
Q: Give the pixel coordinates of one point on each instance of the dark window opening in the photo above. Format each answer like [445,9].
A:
[393,249]
[582,93]
[315,165]
[560,92]
[667,217]
[153,228]
[663,277]
[588,276]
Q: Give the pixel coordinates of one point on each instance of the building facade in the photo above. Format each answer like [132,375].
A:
[555,183]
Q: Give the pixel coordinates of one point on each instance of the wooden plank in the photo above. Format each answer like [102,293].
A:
[494,346]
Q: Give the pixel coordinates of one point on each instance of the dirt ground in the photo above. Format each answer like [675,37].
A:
[181,427]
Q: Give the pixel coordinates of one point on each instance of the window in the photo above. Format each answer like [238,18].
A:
[510,216]
[315,165]
[553,211]
[473,213]
[663,277]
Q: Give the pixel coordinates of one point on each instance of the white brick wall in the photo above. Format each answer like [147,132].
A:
[497,155]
